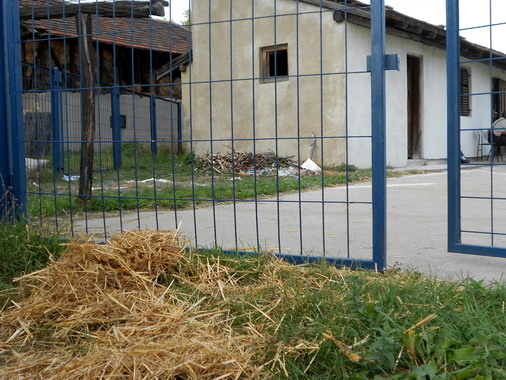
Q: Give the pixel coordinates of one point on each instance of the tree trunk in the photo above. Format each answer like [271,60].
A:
[88,81]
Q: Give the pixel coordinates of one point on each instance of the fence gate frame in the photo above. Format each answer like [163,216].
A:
[377,65]
[12,155]
[453,142]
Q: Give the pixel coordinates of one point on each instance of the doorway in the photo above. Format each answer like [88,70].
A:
[414,68]
[499,97]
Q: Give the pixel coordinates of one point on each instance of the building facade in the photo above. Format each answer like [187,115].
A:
[268,76]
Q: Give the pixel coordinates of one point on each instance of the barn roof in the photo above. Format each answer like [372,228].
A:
[140,33]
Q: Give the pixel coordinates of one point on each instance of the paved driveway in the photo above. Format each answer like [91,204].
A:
[417,223]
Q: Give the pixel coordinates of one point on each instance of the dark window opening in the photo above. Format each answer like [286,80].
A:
[122,121]
[274,63]
[278,63]
[465,90]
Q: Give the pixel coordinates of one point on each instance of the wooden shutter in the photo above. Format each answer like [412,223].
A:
[502,96]
[465,87]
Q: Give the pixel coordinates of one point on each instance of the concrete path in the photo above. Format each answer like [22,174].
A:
[417,223]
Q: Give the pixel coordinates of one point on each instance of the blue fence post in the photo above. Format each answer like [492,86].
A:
[152,113]
[12,152]
[179,128]
[116,127]
[377,66]
[5,176]
[453,127]
[56,127]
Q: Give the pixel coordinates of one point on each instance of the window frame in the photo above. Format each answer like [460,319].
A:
[265,63]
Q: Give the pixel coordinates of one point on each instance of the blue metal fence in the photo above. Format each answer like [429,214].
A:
[12,165]
[226,162]
[474,224]
[51,108]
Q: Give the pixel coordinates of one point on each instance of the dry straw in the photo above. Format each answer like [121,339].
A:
[100,312]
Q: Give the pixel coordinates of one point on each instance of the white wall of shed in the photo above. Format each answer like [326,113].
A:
[433,100]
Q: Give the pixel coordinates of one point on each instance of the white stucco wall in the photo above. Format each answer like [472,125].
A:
[481,106]
[226,96]
[221,98]
[433,102]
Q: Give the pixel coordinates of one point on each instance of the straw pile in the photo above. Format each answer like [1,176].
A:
[101,312]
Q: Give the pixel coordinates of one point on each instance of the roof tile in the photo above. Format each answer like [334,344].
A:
[141,33]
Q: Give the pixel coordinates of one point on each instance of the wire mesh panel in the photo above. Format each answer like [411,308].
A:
[244,124]
[476,110]
[45,96]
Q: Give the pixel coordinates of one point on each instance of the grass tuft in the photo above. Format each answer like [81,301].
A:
[24,249]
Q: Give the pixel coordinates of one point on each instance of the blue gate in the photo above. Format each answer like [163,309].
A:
[205,125]
[12,157]
[475,213]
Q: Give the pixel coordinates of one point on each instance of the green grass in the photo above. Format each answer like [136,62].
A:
[24,249]
[319,322]
[180,184]
[307,313]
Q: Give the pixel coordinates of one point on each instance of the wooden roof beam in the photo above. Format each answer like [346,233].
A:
[120,8]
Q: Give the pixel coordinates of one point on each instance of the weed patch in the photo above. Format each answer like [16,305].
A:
[24,249]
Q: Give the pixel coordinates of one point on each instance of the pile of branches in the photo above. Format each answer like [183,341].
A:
[240,162]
